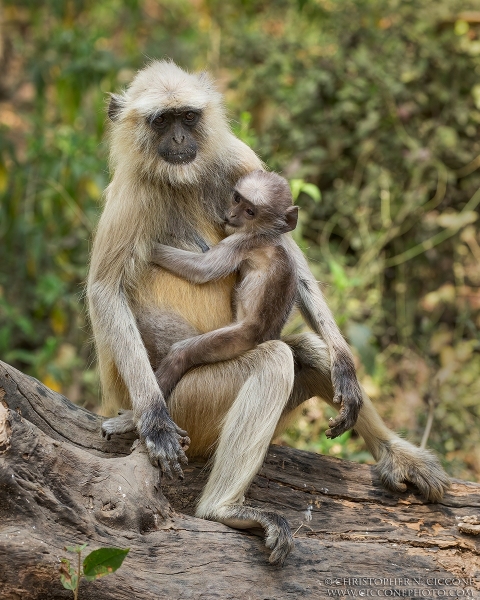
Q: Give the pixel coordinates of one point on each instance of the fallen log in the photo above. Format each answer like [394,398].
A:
[62,484]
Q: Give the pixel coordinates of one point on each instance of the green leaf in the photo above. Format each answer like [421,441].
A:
[67,582]
[68,576]
[312,191]
[76,549]
[298,186]
[103,562]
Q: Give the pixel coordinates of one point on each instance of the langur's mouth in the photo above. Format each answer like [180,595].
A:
[178,158]
[229,229]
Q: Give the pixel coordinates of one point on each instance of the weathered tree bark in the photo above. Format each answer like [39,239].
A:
[61,484]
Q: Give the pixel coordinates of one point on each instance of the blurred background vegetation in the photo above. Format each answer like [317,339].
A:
[376,103]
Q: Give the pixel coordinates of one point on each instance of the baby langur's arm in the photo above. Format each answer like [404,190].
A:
[218,262]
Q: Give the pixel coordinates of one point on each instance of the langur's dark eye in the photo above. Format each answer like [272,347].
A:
[236,198]
[160,120]
[190,116]
[250,212]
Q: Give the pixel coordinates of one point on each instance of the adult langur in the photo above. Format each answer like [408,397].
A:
[175,161]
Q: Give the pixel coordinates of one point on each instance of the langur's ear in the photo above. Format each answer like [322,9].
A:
[115,106]
[291,218]
[205,79]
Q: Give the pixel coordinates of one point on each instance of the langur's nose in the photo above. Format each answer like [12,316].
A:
[178,138]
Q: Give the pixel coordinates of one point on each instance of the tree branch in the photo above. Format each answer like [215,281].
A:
[61,483]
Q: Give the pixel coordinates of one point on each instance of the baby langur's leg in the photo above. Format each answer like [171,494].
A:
[222,344]
[398,461]
[247,430]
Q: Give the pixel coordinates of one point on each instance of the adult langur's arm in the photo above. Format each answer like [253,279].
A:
[115,264]
[116,260]
[318,316]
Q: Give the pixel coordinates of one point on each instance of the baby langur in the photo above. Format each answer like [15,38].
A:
[266,287]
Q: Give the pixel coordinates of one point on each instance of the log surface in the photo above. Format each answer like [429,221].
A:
[62,484]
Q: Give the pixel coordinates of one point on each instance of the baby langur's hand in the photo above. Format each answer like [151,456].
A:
[347,393]
[165,441]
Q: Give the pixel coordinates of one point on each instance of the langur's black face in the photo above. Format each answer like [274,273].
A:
[176,133]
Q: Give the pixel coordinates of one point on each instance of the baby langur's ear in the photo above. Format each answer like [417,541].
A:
[115,106]
[291,218]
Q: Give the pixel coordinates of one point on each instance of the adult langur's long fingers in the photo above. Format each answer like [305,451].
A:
[346,420]
[337,399]
[181,432]
[177,470]
[165,467]
[336,427]
[184,443]
[174,453]
[338,430]
[182,457]
[178,454]
[159,458]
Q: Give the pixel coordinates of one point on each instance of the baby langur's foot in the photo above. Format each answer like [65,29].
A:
[278,537]
[166,443]
[124,423]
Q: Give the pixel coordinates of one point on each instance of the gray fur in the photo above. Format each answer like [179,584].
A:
[278,537]
[138,311]
[266,286]
[218,262]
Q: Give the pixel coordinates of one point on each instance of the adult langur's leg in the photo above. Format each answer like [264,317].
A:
[398,461]
[239,402]
[231,409]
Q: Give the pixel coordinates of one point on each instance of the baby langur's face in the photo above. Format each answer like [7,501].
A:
[259,217]
[241,213]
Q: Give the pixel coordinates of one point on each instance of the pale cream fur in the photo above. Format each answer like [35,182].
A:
[234,406]
[256,190]
[242,449]
[133,218]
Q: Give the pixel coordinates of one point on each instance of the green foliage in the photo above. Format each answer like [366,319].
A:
[102,562]
[375,104]
[300,185]
[76,549]
[68,575]
[97,564]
